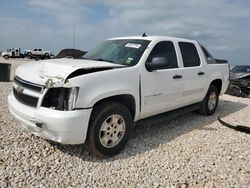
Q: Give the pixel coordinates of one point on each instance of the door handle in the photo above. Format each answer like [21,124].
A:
[200,73]
[177,76]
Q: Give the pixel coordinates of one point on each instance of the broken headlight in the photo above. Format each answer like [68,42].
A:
[60,98]
[72,96]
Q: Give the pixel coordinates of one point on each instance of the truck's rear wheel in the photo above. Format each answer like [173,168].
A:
[46,56]
[210,102]
[109,129]
[6,56]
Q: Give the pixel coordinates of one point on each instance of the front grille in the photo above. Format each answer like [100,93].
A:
[25,99]
[28,85]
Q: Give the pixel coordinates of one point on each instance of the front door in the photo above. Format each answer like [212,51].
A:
[161,90]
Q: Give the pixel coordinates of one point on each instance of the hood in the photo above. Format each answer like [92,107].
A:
[238,75]
[54,72]
[3,53]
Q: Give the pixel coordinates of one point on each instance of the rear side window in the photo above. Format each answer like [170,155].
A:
[207,54]
[209,57]
[164,49]
[189,54]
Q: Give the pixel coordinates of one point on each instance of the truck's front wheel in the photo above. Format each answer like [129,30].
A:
[6,56]
[29,55]
[109,129]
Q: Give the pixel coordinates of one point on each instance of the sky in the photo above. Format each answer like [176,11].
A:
[223,26]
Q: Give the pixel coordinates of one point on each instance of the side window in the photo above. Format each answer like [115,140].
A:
[39,49]
[35,50]
[189,54]
[209,57]
[207,54]
[164,49]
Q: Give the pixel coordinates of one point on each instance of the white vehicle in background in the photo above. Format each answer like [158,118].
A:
[37,52]
[12,53]
[98,99]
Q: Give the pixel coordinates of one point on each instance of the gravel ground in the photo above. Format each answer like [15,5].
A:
[188,151]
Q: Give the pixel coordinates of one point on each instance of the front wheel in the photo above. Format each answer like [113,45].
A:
[29,55]
[109,129]
[6,56]
[210,102]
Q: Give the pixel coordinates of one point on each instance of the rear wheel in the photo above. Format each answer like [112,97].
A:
[46,56]
[109,129]
[210,102]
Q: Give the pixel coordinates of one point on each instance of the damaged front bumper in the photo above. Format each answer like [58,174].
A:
[239,88]
[67,127]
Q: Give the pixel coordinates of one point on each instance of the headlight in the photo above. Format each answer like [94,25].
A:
[61,98]
[73,94]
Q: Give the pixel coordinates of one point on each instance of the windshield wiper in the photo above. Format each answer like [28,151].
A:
[86,58]
[101,59]
[110,61]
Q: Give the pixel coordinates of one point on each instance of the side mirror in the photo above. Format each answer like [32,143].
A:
[157,63]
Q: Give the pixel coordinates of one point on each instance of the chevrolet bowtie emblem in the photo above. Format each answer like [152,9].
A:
[19,89]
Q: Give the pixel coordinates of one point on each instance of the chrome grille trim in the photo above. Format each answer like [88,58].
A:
[28,85]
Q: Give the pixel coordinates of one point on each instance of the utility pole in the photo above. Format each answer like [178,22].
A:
[73,39]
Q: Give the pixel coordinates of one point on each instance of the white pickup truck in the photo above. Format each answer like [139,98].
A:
[37,52]
[98,99]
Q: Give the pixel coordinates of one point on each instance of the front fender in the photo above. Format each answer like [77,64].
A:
[94,99]
[100,85]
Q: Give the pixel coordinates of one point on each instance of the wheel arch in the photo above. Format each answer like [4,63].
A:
[218,84]
[125,99]
[6,56]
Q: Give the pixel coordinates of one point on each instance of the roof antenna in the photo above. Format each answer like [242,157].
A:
[144,35]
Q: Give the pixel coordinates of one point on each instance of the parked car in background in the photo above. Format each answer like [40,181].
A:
[38,53]
[239,81]
[12,53]
[98,99]
[70,53]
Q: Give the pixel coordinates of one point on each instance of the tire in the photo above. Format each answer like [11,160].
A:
[6,56]
[29,55]
[109,129]
[210,102]
[46,56]
[37,58]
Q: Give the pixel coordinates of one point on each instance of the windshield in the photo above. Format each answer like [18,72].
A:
[124,52]
[238,69]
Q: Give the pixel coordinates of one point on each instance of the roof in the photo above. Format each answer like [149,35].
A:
[151,38]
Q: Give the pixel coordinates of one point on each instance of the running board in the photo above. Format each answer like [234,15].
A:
[166,116]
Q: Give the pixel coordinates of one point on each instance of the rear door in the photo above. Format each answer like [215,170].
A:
[161,90]
[193,72]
